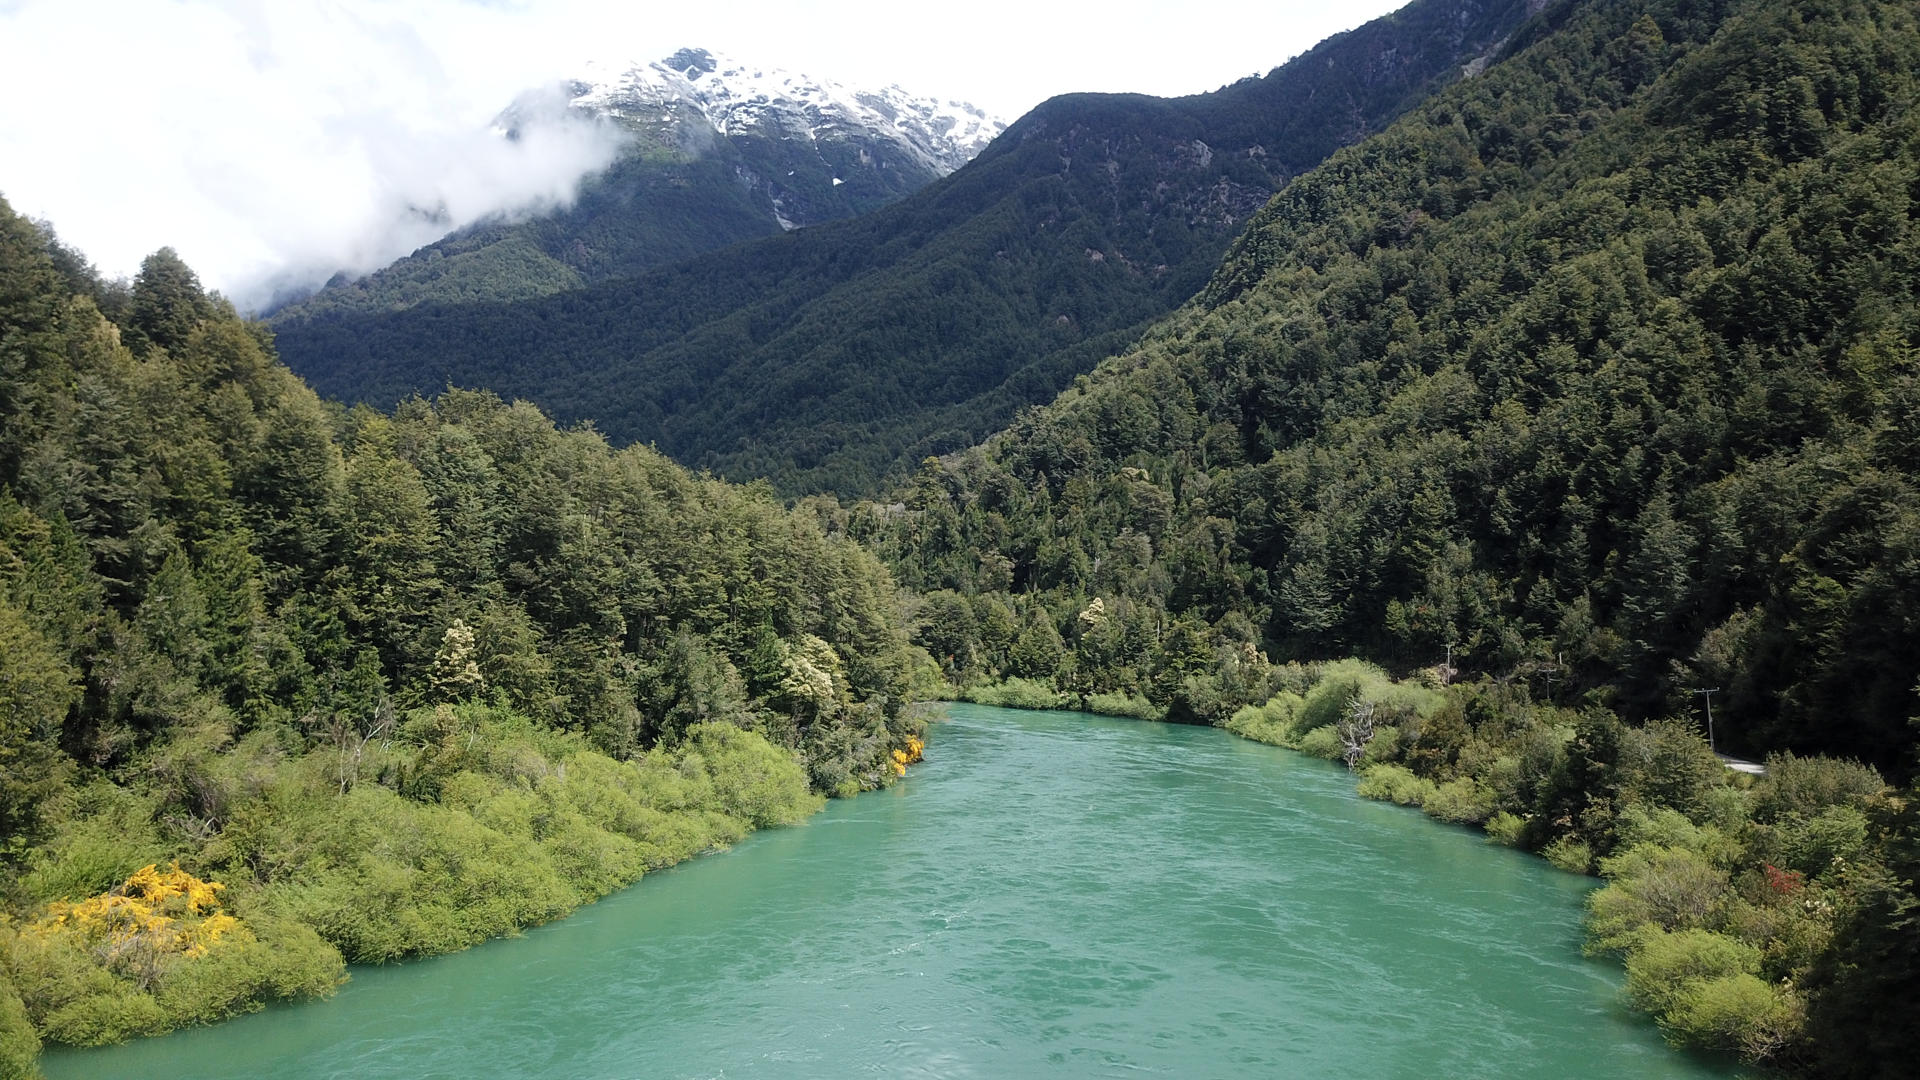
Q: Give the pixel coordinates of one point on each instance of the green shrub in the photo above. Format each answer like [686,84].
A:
[19,1046]
[1016,693]
[1805,786]
[1738,1012]
[1506,828]
[71,998]
[1837,834]
[1790,930]
[1650,885]
[1704,990]
[105,834]
[1322,742]
[1661,827]
[1340,682]
[1395,783]
[1383,747]
[1667,763]
[1462,801]
[1728,808]
[1662,965]
[528,825]
[1570,854]
[1277,722]
[751,778]
[1124,704]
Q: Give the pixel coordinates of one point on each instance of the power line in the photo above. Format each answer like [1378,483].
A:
[1708,694]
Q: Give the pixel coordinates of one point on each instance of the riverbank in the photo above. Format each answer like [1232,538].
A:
[1727,890]
[1050,895]
[469,824]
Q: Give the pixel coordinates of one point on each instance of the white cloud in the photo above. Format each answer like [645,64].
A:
[270,141]
[275,140]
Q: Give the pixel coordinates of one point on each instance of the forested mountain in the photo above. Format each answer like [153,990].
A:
[830,358]
[282,683]
[1602,363]
[1599,375]
[714,152]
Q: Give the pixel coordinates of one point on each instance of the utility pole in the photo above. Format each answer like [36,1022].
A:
[1446,673]
[1708,694]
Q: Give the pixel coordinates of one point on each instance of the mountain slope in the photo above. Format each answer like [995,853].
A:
[716,152]
[832,357]
[1603,370]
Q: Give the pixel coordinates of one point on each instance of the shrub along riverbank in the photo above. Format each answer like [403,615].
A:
[1751,912]
[1754,914]
[468,823]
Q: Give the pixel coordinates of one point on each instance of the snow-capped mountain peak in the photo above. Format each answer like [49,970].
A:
[737,98]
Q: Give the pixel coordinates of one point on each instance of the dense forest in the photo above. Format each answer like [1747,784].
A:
[834,358]
[1599,367]
[1588,387]
[287,684]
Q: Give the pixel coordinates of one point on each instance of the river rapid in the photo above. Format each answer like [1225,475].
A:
[1048,895]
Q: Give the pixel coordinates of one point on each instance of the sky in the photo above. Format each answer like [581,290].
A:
[274,142]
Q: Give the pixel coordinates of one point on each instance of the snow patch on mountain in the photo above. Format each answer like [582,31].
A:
[737,97]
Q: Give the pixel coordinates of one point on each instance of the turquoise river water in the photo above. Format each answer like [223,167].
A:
[1048,895]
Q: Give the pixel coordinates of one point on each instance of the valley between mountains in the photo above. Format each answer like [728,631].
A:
[1474,401]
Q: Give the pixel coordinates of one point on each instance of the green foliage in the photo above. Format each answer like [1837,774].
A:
[1397,784]
[1573,856]
[1735,1012]
[1864,1006]
[1506,828]
[1461,800]
[1704,990]
[1277,722]
[19,1044]
[102,833]
[1801,786]
[1321,742]
[1660,827]
[1829,840]
[752,779]
[1015,693]
[71,997]
[1650,885]
[37,687]
[168,304]
[1124,704]
[1663,964]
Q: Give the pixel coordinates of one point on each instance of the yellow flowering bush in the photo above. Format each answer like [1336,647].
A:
[154,953]
[154,911]
[903,757]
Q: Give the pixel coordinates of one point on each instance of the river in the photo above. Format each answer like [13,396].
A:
[1048,895]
